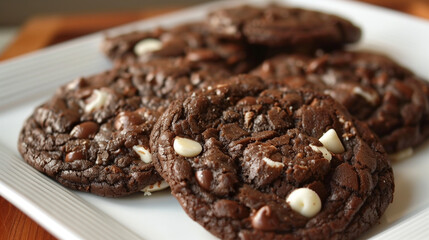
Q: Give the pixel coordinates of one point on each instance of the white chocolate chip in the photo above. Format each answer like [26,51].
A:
[329,78]
[371,98]
[74,84]
[187,147]
[158,186]
[97,100]
[331,141]
[273,164]
[146,46]
[144,154]
[248,116]
[401,155]
[230,30]
[326,154]
[304,201]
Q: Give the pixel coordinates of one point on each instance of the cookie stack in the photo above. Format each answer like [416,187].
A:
[260,122]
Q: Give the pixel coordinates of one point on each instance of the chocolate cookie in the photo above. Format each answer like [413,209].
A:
[276,25]
[375,89]
[190,41]
[93,135]
[250,162]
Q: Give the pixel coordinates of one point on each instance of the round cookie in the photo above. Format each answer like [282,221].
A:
[375,89]
[190,41]
[93,135]
[242,159]
[276,25]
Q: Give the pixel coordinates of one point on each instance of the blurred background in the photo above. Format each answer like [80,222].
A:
[15,13]
[29,25]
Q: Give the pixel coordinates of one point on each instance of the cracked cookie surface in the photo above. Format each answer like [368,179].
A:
[190,41]
[373,88]
[93,135]
[248,147]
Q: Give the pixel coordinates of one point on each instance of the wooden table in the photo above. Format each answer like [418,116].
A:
[43,31]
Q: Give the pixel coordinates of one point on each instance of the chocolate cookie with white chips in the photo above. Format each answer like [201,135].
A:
[249,162]
[373,88]
[93,135]
[190,41]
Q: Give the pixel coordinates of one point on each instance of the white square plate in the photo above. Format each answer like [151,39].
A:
[29,80]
